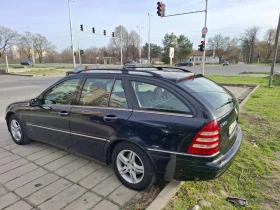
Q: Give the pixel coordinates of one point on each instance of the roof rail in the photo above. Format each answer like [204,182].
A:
[124,71]
[156,67]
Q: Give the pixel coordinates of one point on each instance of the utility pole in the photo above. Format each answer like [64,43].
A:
[80,60]
[275,53]
[32,46]
[149,34]
[7,64]
[121,45]
[205,22]
[139,43]
[72,43]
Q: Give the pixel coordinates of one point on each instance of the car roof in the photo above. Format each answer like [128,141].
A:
[171,75]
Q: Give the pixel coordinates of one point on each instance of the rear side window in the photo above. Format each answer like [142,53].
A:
[155,98]
[103,93]
[209,92]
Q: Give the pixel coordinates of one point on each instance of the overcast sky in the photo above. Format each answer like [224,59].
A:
[51,19]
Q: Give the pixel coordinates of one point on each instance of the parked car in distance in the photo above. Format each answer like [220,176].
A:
[129,62]
[139,66]
[84,68]
[148,125]
[226,63]
[184,63]
[26,63]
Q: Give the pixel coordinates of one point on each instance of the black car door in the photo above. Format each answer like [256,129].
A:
[101,109]
[50,121]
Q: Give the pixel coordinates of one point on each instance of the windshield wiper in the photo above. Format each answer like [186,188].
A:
[226,103]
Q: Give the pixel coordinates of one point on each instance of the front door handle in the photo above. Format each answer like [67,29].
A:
[110,118]
[63,113]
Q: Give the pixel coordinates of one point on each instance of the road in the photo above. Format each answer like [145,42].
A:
[17,88]
[209,69]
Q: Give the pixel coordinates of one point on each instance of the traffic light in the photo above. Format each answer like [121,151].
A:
[82,27]
[113,34]
[93,30]
[104,32]
[81,52]
[201,46]
[161,9]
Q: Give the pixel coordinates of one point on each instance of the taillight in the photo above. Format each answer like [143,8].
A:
[207,141]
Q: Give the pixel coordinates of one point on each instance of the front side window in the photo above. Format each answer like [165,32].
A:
[96,92]
[155,98]
[63,93]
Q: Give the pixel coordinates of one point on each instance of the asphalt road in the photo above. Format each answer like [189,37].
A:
[17,88]
[209,69]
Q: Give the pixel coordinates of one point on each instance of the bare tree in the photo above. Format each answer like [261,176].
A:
[220,44]
[233,51]
[66,55]
[248,40]
[269,38]
[41,45]
[8,38]
[24,47]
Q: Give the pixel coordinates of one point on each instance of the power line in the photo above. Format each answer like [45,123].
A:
[188,6]
[33,23]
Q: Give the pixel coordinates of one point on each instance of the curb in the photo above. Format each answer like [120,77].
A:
[165,195]
[168,192]
[248,96]
[25,75]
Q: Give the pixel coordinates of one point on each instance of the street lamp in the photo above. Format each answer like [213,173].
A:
[149,34]
[80,60]
[139,28]
[72,44]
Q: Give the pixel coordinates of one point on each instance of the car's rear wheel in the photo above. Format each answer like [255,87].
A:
[132,166]
[17,131]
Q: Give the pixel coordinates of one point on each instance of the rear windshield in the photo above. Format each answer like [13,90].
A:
[210,93]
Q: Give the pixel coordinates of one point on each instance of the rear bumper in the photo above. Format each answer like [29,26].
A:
[184,168]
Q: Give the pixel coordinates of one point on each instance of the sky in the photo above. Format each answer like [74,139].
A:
[50,18]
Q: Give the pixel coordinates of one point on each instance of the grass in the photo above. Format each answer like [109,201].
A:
[255,173]
[252,72]
[43,72]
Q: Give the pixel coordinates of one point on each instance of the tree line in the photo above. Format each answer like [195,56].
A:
[242,48]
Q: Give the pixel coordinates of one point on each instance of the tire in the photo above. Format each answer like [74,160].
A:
[17,131]
[142,162]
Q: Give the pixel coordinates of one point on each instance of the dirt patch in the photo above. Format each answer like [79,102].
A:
[143,199]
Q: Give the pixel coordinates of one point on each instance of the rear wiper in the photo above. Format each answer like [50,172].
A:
[226,103]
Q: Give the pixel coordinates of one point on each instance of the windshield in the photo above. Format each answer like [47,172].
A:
[210,93]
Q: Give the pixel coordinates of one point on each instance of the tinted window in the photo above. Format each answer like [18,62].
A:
[210,92]
[96,92]
[117,98]
[155,98]
[79,68]
[62,93]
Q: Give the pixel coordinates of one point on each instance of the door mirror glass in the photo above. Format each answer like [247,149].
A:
[34,102]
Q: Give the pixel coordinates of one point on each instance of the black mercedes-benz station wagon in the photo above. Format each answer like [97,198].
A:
[165,123]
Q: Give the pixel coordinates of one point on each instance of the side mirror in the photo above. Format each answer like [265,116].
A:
[34,102]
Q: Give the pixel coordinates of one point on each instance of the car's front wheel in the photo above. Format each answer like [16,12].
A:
[17,131]
[132,166]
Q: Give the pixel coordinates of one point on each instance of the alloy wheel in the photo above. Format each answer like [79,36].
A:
[130,166]
[16,130]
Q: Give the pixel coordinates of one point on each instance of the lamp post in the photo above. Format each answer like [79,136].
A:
[72,44]
[139,28]
[149,34]
[80,60]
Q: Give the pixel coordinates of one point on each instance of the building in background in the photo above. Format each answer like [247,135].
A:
[196,57]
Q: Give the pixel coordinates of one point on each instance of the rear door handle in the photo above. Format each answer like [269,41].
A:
[110,118]
[63,113]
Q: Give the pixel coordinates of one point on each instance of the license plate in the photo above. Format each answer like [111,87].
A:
[231,127]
